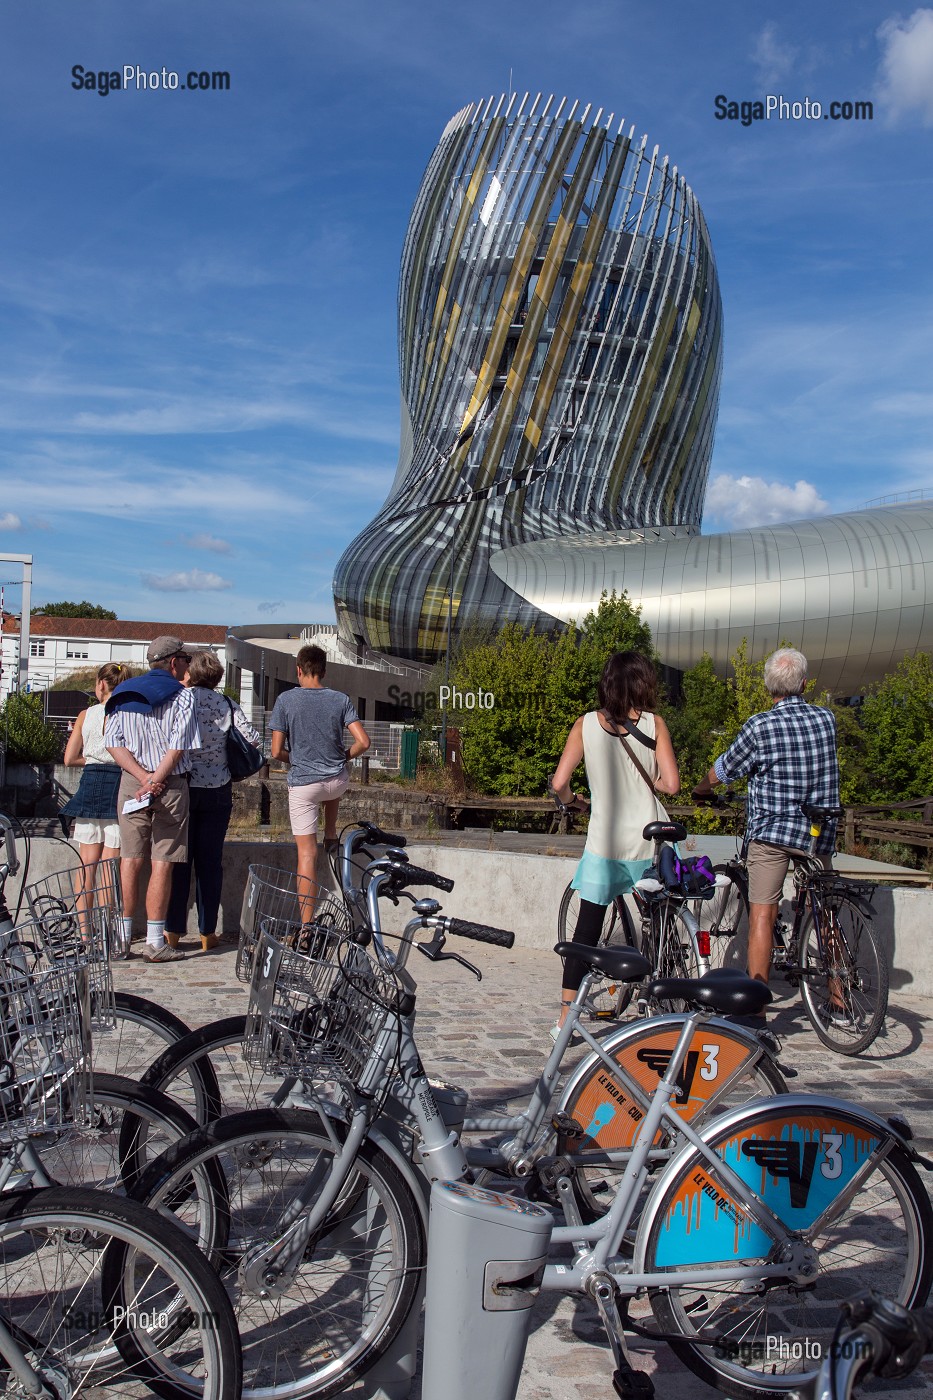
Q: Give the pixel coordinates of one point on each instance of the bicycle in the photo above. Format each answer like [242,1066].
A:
[829,950]
[670,932]
[271,902]
[316,1219]
[95,1291]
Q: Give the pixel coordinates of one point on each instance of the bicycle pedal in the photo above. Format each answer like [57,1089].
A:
[632,1384]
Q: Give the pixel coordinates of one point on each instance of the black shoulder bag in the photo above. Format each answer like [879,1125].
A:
[243,758]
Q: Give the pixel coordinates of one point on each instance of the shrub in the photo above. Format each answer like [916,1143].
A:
[26,736]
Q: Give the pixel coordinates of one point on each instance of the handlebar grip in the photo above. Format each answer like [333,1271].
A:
[481,933]
[404,875]
[380,837]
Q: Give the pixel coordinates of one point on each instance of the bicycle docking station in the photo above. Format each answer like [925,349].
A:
[486,1257]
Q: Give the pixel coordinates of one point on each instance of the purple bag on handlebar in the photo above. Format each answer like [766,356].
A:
[693,875]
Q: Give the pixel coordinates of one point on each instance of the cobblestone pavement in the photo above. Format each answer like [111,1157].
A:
[491,1037]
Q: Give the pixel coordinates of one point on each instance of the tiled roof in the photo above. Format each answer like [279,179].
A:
[121,630]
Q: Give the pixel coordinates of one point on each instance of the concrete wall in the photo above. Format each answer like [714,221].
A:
[522,893]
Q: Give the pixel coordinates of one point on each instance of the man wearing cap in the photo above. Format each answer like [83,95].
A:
[151,725]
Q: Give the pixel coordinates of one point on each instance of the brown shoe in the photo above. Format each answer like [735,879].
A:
[209,941]
[173,939]
[164,954]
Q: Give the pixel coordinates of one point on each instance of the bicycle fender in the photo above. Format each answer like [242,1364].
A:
[864,905]
[796,1152]
[610,1117]
[381,1134]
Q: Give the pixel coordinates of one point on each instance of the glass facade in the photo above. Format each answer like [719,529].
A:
[560,333]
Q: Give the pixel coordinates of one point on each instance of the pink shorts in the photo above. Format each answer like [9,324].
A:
[304,803]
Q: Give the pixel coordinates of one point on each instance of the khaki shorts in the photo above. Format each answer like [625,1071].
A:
[305,802]
[159,830]
[767,871]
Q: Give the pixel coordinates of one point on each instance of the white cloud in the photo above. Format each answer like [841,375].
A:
[743,501]
[9,521]
[269,607]
[905,80]
[773,59]
[211,543]
[192,581]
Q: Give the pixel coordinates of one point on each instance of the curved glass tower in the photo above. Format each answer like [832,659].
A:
[560,352]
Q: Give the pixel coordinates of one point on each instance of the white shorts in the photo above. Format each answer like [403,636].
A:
[92,833]
[304,803]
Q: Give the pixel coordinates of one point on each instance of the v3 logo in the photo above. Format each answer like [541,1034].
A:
[658,1060]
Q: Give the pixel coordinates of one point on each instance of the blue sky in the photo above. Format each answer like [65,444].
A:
[198,390]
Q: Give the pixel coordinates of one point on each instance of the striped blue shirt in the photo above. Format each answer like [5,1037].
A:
[788,754]
[149,736]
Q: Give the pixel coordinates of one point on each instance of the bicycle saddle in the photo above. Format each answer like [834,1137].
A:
[821,814]
[665,831]
[726,990]
[624,964]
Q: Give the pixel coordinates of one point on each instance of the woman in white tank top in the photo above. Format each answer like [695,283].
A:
[623,799]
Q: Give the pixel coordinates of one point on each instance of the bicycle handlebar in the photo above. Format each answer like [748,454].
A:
[884,1340]
[378,837]
[401,876]
[480,933]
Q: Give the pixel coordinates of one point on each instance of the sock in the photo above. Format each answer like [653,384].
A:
[127,930]
[155,933]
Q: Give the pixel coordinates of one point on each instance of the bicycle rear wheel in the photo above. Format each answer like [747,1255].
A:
[100,1293]
[608,999]
[725,914]
[228,1185]
[853,1195]
[845,977]
[672,951]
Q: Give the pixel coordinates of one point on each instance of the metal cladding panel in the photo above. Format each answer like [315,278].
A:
[857,589]
[560,358]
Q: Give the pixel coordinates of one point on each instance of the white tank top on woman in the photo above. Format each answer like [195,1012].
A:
[622,804]
[92,737]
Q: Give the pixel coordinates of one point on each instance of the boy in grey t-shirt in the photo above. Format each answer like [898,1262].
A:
[307,734]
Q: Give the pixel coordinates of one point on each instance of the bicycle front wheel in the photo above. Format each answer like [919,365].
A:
[206,1073]
[845,977]
[853,1199]
[350,1294]
[99,1292]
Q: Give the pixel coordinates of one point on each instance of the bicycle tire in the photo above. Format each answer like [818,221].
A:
[644,1049]
[608,999]
[124,1127]
[354,1289]
[725,914]
[859,979]
[213,1056]
[69,1258]
[673,953]
[875,1226]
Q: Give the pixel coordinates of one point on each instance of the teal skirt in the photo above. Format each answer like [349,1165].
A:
[599,880]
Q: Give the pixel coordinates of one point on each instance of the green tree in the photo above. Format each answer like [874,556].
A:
[83,609]
[541,685]
[26,736]
[699,722]
[896,722]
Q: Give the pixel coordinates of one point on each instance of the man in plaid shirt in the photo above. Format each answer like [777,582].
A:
[788,754]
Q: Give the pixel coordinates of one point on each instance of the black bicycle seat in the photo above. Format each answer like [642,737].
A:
[821,814]
[623,964]
[665,831]
[726,990]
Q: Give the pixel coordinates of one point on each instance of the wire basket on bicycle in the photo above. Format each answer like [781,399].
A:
[45,1042]
[79,925]
[318,1012]
[283,904]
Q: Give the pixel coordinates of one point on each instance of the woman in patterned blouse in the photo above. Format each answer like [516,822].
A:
[211,804]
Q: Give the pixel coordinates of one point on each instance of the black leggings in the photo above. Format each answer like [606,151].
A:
[589,927]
